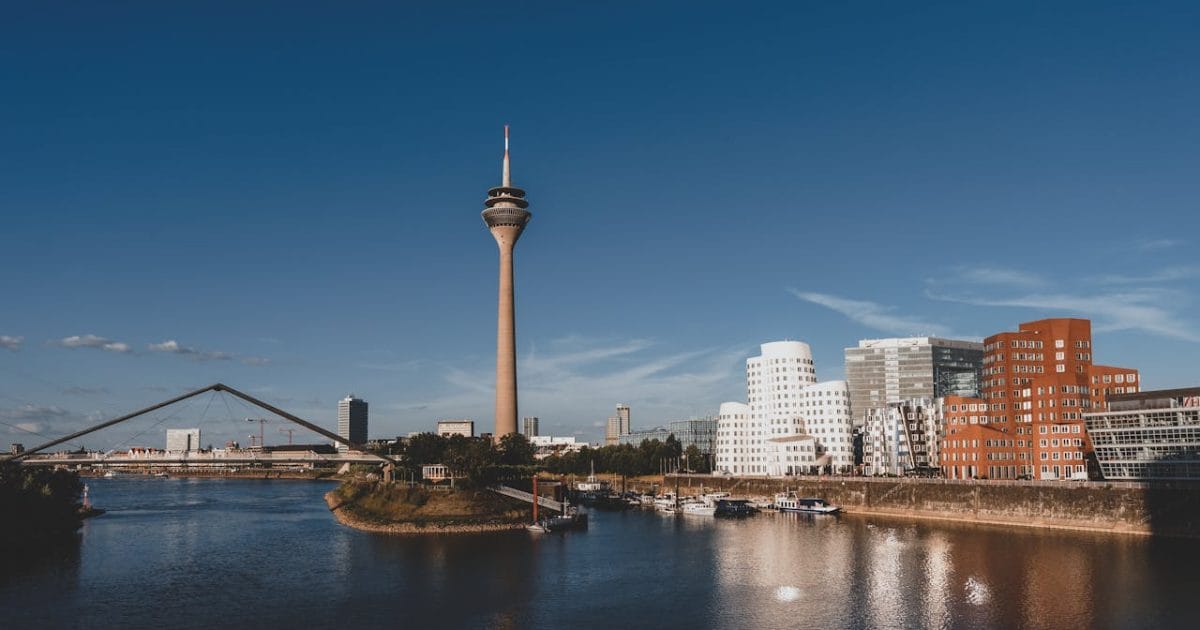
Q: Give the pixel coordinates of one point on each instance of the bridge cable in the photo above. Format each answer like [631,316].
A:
[155,425]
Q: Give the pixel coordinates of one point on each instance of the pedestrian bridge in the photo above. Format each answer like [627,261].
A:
[528,497]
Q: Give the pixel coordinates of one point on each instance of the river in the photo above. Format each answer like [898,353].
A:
[202,553]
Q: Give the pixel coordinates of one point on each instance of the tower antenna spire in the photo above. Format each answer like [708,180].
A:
[506,181]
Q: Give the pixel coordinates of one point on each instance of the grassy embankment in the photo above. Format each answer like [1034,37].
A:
[398,509]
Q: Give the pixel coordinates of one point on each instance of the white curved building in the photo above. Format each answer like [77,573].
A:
[791,422]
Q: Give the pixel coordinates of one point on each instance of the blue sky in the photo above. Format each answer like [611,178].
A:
[285,197]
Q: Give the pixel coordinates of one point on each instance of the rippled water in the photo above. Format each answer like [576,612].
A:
[241,553]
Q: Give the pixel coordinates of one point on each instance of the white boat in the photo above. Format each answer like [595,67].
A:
[665,501]
[593,485]
[711,498]
[698,509]
[110,474]
[789,502]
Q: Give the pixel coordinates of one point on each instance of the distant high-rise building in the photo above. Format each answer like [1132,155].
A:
[183,440]
[883,372]
[617,425]
[352,421]
[529,426]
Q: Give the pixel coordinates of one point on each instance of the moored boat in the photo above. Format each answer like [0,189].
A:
[789,502]
[696,508]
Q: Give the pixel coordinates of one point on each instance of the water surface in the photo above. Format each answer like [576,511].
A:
[199,553]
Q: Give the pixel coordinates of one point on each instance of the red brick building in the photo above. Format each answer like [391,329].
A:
[1036,385]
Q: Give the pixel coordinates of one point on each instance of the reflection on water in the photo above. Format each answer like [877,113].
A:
[242,553]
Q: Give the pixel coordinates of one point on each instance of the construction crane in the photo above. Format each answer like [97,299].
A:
[289,432]
[261,423]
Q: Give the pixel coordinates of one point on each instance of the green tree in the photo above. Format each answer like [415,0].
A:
[425,448]
[516,450]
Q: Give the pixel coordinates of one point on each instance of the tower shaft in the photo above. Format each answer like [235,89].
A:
[506,340]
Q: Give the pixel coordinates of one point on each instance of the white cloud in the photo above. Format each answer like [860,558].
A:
[998,276]
[93,341]
[1145,310]
[1152,244]
[579,382]
[171,346]
[876,316]
[11,343]
[1168,274]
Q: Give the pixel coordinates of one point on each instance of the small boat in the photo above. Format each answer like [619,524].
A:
[789,502]
[696,508]
[110,474]
[161,475]
[665,501]
[735,507]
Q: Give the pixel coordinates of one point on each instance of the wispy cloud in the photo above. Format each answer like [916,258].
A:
[999,276]
[31,418]
[578,383]
[1145,310]
[85,391]
[876,316]
[1167,274]
[11,343]
[171,346]
[1152,244]
[95,342]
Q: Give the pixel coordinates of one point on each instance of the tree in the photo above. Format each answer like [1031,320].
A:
[696,461]
[516,450]
[425,448]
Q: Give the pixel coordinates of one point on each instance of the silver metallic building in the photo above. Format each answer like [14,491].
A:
[880,372]
[1150,435]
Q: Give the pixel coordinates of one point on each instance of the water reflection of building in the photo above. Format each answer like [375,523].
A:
[1148,435]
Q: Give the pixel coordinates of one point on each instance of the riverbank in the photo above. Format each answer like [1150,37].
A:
[1163,509]
[399,510]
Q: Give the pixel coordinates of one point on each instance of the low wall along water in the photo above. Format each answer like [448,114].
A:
[1160,509]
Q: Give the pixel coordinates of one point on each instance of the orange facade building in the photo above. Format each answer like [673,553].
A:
[1036,385]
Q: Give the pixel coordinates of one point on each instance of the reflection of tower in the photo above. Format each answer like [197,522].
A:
[506,216]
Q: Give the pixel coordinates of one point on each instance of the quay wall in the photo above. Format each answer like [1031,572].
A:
[1171,509]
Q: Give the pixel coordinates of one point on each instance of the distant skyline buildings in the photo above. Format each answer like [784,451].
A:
[617,425]
[352,421]
[529,426]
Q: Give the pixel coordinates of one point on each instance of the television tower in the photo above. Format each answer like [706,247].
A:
[505,215]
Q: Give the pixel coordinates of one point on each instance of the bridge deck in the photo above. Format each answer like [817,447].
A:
[528,497]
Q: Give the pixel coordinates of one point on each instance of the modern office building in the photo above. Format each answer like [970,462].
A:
[784,400]
[464,427]
[529,426]
[1148,436]
[183,440]
[352,421]
[882,372]
[700,433]
[506,215]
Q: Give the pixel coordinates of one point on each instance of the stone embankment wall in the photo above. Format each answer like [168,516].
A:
[1166,508]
